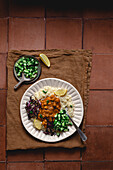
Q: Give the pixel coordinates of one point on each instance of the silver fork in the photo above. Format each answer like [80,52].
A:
[23,79]
[82,135]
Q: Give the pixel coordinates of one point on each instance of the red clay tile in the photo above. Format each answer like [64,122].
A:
[26,33]
[98,35]
[2,71]
[97,165]
[97,13]
[102,69]
[3,8]
[100,108]
[2,107]
[63,10]
[26,8]
[99,144]
[3,35]
[62,154]
[25,155]
[25,166]
[2,166]
[62,165]
[64,33]
[2,144]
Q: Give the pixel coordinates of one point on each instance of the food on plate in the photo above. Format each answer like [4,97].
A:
[38,124]
[27,65]
[44,59]
[61,92]
[48,109]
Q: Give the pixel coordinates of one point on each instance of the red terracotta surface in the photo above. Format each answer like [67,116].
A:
[102,69]
[68,38]
[97,165]
[99,144]
[2,107]
[25,166]
[98,13]
[62,154]
[27,24]
[98,35]
[3,71]
[26,33]
[2,143]
[99,109]
[2,166]
[3,35]
[62,165]
[25,155]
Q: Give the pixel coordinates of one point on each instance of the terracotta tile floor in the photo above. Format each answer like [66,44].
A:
[26,24]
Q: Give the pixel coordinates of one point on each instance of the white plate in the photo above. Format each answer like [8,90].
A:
[78,108]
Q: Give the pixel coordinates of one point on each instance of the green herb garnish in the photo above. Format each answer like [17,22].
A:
[41,116]
[47,101]
[44,91]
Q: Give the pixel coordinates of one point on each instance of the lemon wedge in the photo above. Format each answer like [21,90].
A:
[37,124]
[44,59]
[61,92]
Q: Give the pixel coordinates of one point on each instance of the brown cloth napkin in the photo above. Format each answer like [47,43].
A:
[73,66]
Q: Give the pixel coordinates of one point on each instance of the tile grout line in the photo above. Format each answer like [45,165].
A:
[25,161]
[99,125]
[80,165]
[6,93]
[101,89]
[57,161]
[57,17]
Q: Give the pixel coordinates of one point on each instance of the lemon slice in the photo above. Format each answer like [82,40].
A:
[37,124]
[61,92]
[45,59]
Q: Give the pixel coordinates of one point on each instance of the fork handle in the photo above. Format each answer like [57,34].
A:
[18,84]
[82,135]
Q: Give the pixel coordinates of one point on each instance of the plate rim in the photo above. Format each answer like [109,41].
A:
[56,140]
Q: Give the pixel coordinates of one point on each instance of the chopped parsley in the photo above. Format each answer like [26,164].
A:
[47,101]
[41,116]
[44,91]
